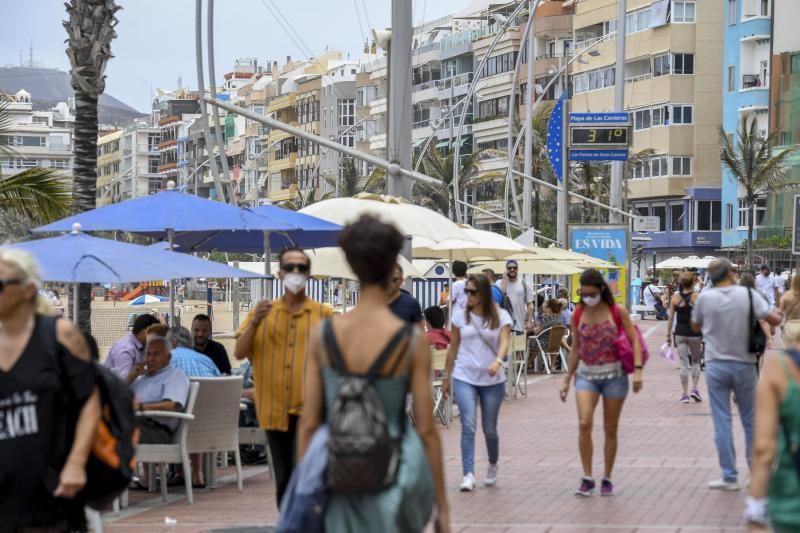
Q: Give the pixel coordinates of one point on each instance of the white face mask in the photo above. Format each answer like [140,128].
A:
[591,301]
[294,282]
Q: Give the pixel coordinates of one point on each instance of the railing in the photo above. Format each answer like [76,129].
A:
[767,233]
[455,81]
[589,42]
[554,55]
[750,81]
[430,84]
[421,124]
[426,48]
[640,77]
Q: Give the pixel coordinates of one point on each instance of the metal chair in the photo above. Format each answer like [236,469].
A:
[442,406]
[549,344]
[516,368]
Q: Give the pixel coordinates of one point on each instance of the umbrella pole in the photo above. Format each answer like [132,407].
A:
[267,260]
[75,303]
[171,237]
[450,290]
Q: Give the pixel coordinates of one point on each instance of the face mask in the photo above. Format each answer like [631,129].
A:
[294,282]
[591,301]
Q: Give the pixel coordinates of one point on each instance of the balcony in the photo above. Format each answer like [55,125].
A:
[169,120]
[278,135]
[753,81]
[166,167]
[282,195]
[282,102]
[169,143]
[286,163]
[428,90]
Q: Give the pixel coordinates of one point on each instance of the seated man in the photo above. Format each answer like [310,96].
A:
[194,364]
[652,297]
[158,386]
[201,330]
[129,350]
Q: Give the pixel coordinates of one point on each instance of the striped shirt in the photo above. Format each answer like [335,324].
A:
[278,357]
[194,364]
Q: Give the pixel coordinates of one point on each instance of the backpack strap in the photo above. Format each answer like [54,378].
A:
[388,351]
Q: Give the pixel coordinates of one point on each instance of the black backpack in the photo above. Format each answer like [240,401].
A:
[362,456]
[112,460]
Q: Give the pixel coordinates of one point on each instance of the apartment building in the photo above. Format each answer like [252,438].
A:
[109,166]
[42,139]
[339,121]
[174,112]
[673,89]
[140,161]
[760,72]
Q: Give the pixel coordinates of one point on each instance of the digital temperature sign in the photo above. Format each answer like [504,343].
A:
[592,136]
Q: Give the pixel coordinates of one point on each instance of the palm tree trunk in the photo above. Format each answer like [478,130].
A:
[537,206]
[84,183]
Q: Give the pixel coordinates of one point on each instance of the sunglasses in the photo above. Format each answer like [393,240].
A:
[6,282]
[292,267]
[471,292]
[511,268]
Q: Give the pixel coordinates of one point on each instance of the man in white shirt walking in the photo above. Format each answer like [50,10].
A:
[769,285]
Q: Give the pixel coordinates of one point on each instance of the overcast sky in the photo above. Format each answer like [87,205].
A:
[155,44]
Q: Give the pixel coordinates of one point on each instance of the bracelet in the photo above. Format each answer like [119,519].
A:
[499,361]
[638,367]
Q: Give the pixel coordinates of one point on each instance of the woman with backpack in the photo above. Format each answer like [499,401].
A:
[688,342]
[774,498]
[594,362]
[356,383]
[475,371]
[49,406]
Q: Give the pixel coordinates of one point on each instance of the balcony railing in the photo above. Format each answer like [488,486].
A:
[455,81]
[554,55]
[750,81]
[430,84]
[640,77]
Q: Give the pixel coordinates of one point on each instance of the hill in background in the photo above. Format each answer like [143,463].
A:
[48,86]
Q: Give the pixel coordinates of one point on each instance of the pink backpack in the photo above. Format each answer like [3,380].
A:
[622,343]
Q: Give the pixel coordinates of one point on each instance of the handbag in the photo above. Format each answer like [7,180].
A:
[303,504]
[624,346]
[757,342]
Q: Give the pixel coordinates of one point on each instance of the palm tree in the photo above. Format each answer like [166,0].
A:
[90,30]
[440,197]
[351,184]
[751,162]
[304,198]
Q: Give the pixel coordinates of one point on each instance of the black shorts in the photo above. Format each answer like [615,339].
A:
[154,432]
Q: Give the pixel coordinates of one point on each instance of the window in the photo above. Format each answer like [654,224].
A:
[732,12]
[729,216]
[641,119]
[660,115]
[636,21]
[642,210]
[347,111]
[795,67]
[731,78]
[683,63]
[760,209]
[677,213]
[496,107]
[681,114]
[499,64]
[661,65]
[707,217]
[681,166]
[683,11]
[660,211]
[593,80]
[764,8]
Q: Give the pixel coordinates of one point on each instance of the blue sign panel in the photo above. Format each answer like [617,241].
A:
[599,118]
[609,243]
[598,155]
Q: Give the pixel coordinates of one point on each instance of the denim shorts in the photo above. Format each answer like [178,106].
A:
[611,388]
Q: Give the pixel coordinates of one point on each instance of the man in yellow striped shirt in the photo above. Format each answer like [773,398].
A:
[275,336]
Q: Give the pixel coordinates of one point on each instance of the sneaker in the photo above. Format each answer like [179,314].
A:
[696,395]
[685,398]
[586,488]
[491,476]
[606,488]
[468,483]
[721,484]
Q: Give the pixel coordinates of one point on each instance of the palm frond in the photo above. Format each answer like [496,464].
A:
[39,194]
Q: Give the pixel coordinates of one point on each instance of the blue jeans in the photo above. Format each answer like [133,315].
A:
[467,397]
[722,379]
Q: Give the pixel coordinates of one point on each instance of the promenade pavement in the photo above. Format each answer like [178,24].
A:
[666,458]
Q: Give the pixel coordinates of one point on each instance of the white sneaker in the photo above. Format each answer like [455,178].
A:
[721,484]
[491,476]
[468,483]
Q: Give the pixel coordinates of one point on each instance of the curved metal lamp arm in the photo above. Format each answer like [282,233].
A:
[471,91]
[226,173]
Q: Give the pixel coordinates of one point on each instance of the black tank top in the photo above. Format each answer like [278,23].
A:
[683,316]
[37,424]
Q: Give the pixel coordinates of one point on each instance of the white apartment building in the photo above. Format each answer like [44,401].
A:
[38,138]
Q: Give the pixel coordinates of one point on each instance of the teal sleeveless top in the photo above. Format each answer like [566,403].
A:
[404,507]
[784,488]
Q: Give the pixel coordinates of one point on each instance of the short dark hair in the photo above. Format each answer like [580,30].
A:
[202,318]
[371,249]
[764,267]
[489,273]
[435,317]
[592,277]
[143,322]
[294,249]
[459,269]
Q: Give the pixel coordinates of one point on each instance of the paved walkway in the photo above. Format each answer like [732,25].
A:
[665,459]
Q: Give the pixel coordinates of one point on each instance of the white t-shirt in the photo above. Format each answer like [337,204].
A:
[766,286]
[459,296]
[520,296]
[650,293]
[474,355]
[724,313]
